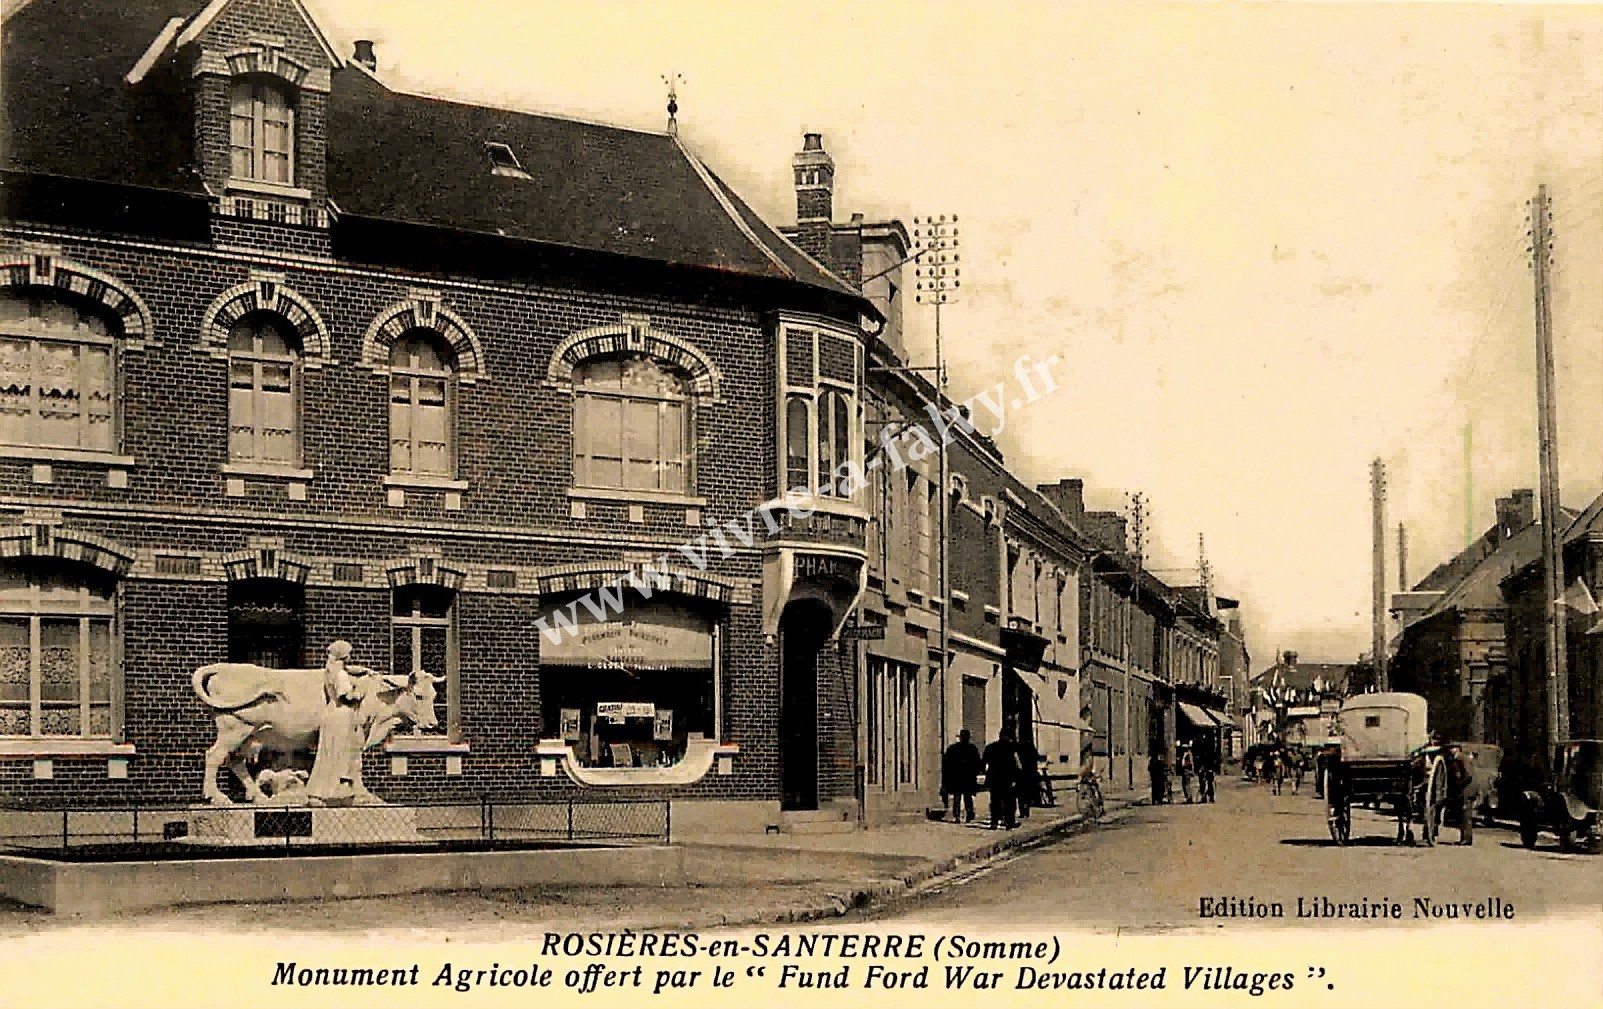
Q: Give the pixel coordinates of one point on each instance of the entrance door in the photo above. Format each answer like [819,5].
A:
[802,632]
[974,709]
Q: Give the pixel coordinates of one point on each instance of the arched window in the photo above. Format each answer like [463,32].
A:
[632,426]
[422,394]
[262,132]
[263,394]
[56,651]
[798,474]
[57,375]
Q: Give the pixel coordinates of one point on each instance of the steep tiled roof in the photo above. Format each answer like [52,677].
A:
[391,155]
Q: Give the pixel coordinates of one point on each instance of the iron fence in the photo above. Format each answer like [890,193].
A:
[190,831]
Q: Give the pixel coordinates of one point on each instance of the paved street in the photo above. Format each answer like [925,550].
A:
[1146,869]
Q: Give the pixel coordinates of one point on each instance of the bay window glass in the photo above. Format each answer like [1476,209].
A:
[262,131]
[632,430]
[834,440]
[798,472]
[422,390]
[56,650]
[57,379]
[263,399]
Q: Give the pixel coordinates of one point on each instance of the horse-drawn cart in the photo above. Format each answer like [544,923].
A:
[1385,759]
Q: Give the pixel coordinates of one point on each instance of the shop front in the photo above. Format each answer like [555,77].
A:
[635,698]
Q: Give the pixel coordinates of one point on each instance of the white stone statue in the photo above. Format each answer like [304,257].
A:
[340,708]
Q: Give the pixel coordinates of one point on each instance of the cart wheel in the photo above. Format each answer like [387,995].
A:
[1528,831]
[1434,801]
[1338,818]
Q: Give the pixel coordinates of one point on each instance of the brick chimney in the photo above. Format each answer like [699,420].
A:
[815,196]
[364,54]
[1516,511]
[1068,496]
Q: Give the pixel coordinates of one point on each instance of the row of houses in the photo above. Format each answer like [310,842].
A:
[1473,632]
[288,355]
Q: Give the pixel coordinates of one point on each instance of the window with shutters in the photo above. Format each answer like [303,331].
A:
[422,405]
[58,386]
[632,426]
[262,131]
[264,392]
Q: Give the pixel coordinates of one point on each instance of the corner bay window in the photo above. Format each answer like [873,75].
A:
[262,131]
[57,376]
[263,402]
[633,690]
[818,442]
[422,377]
[632,426]
[56,650]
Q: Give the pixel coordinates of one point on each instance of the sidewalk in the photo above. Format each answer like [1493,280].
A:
[735,880]
[906,856]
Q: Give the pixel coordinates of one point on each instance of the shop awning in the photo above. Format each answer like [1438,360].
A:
[1198,717]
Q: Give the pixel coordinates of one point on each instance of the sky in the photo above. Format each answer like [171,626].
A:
[1266,243]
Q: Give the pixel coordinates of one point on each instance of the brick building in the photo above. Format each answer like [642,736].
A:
[288,355]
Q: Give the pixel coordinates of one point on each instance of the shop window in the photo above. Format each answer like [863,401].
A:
[57,375]
[632,426]
[263,392]
[262,131]
[265,623]
[632,691]
[422,400]
[423,638]
[57,645]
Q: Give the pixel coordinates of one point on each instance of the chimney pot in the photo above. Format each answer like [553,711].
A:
[364,54]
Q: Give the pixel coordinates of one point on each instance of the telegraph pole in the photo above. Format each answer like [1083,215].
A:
[1402,557]
[1469,488]
[1377,491]
[938,277]
[1558,707]
[1137,506]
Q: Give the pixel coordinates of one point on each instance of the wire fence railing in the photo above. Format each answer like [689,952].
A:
[179,831]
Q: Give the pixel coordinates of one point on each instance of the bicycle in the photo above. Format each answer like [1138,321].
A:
[1091,806]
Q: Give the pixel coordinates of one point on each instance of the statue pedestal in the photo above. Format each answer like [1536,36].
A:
[258,825]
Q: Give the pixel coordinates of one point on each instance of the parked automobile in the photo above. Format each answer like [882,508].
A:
[1567,803]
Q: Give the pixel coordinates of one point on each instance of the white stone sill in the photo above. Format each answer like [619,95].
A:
[50,746]
[258,471]
[256,187]
[637,496]
[108,459]
[424,744]
[411,482]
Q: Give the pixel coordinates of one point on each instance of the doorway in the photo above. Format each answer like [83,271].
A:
[803,630]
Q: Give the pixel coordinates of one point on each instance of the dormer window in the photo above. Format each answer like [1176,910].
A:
[262,132]
[504,162]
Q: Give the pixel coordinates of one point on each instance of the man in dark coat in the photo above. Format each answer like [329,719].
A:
[1029,784]
[1001,775]
[1465,789]
[1158,771]
[960,769]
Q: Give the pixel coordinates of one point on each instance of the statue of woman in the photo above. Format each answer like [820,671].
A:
[340,738]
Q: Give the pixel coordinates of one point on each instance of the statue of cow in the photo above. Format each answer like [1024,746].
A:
[283,709]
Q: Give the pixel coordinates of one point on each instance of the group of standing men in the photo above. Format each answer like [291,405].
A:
[1012,776]
[1194,762]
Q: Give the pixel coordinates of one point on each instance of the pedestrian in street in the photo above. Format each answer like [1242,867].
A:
[1001,760]
[1299,767]
[1464,791]
[1029,786]
[1158,771]
[1207,770]
[1188,767]
[960,770]
[1274,769]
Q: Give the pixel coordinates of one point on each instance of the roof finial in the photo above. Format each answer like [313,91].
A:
[673,102]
